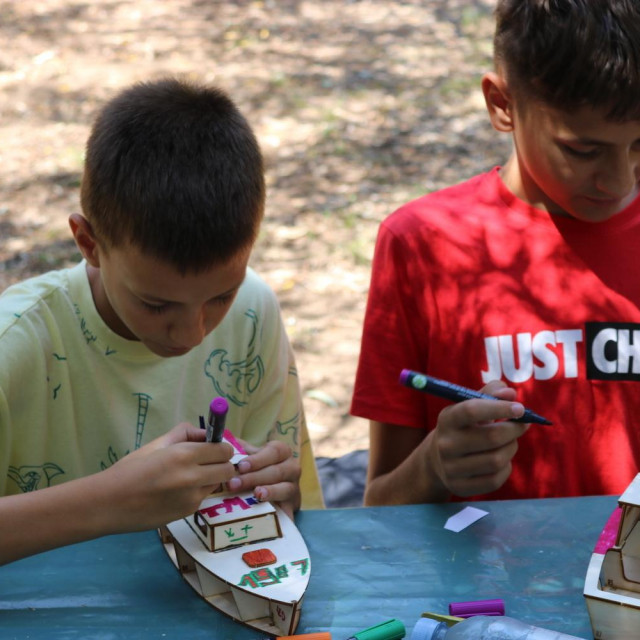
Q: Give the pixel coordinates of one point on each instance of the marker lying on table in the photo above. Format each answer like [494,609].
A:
[390,630]
[322,635]
[217,419]
[456,393]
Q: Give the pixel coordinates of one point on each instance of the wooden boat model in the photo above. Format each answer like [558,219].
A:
[612,584]
[244,557]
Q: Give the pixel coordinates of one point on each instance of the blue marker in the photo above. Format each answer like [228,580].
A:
[217,419]
[456,393]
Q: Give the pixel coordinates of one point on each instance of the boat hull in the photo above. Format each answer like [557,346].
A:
[613,615]
[265,598]
[612,583]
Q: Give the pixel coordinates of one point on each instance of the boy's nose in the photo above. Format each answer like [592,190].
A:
[190,332]
[621,177]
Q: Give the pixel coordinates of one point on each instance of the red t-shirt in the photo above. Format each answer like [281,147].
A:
[471,284]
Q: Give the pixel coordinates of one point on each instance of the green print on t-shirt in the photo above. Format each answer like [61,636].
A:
[141,420]
[237,380]
[290,429]
[30,478]
[89,336]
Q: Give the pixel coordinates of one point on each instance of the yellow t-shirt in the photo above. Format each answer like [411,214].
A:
[75,397]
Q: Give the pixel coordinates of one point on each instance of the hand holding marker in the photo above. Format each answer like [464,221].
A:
[456,393]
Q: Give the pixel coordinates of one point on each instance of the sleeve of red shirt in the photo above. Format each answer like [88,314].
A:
[390,340]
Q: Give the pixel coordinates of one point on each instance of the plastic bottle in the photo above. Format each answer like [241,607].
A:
[484,628]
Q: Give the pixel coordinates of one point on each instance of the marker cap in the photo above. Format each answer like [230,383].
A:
[425,629]
[493,607]
[390,630]
[219,406]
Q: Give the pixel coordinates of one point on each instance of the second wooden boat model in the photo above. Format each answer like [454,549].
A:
[612,584]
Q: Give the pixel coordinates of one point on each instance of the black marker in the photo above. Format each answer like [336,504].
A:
[456,393]
[217,419]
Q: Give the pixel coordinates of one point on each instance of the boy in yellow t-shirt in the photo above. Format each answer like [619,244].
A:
[106,366]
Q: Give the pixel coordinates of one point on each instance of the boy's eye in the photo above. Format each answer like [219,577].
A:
[222,300]
[154,308]
[580,153]
[161,308]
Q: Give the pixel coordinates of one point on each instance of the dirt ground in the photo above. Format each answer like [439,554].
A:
[359,105]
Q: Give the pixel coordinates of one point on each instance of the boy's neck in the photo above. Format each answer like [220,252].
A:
[103,306]
[516,181]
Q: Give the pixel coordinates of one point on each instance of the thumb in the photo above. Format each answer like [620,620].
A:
[183,432]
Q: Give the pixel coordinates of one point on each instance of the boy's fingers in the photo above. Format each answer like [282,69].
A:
[499,389]
[487,462]
[214,452]
[286,494]
[491,437]
[213,475]
[471,412]
[183,432]
[273,453]
[288,471]
[476,485]
[200,453]
[195,434]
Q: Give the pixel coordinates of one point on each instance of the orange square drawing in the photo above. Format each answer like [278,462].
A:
[259,558]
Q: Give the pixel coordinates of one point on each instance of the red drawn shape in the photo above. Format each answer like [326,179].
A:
[259,558]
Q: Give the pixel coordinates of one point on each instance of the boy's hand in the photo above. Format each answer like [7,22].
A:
[471,448]
[166,479]
[272,472]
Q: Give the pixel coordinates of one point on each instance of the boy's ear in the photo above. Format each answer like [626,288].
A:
[499,101]
[85,239]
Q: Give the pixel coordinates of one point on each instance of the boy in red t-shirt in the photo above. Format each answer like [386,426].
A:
[522,281]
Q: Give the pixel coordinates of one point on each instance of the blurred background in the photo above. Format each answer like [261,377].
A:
[359,106]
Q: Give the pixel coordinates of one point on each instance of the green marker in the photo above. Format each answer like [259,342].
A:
[390,630]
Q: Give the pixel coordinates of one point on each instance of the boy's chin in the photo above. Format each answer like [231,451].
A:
[167,352]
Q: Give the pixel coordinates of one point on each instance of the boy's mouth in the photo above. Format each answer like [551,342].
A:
[616,202]
[604,202]
[178,351]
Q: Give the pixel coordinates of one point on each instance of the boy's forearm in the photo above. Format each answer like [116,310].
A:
[397,487]
[411,482]
[38,521]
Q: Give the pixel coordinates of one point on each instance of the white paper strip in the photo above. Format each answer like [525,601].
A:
[464,518]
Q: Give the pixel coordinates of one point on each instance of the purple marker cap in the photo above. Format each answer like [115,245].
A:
[493,607]
[404,376]
[217,419]
[219,406]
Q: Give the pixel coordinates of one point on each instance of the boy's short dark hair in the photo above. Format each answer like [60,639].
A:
[174,168]
[572,53]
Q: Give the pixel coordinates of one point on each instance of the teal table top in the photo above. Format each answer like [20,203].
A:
[368,565]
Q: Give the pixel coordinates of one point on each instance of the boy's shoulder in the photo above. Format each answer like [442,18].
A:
[254,295]
[255,287]
[255,312]
[32,296]
[34,314]
[451,204]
